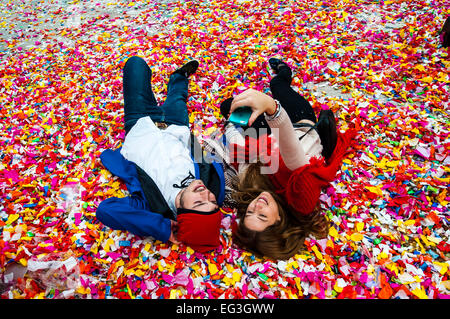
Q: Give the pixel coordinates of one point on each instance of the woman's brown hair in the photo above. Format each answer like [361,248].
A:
[281,240]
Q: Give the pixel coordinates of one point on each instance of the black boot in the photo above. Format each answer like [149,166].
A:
[276,64]
[188,69]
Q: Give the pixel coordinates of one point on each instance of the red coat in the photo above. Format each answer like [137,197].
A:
[301,188]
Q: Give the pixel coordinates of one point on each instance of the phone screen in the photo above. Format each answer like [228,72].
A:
[241,116]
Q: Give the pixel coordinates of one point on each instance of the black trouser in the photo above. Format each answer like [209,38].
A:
[296,106]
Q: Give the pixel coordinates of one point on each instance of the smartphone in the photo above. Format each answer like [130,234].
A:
[241,115]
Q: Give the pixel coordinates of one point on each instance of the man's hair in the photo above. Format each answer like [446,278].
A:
[182,198]
[283,239]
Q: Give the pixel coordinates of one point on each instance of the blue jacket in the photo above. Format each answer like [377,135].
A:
[136,213]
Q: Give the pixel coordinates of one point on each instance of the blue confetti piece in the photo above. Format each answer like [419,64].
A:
[124,243]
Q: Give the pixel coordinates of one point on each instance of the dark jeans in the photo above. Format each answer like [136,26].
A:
[296,106]
[139,100]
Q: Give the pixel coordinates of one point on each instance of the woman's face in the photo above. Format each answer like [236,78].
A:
[261,213]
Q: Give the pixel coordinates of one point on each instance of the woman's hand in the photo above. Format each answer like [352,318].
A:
[259,103]
[173,228]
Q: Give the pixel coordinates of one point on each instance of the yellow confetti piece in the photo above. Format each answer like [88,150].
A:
[317,252]
[392,164]
[383,255]
[333,232]
[427,79]
[228,281]
[94,248]
[356,237]
[108,244]
[374,189]
[129,292]
[393,267]
[237,276]
[230,268]
[422,249]
[425,240]
[338,288]
[293,264]
[213,269]
[147,247]
[441,198]
[373,114]
[23,262]
[174,294]
[443,78]
[292,295]
[83,291]
[330,243]
[420,293]
[446,284]
[160,266]
[298,284]
[359,226]
[12,218]
[410,222]
[350,48]
[420,67]
[443,267]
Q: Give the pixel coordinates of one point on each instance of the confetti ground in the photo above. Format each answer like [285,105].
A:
[378,64]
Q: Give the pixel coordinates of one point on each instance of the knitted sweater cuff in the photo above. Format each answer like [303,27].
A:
[279,120]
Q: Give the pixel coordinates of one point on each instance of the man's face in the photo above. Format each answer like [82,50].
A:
[197,197]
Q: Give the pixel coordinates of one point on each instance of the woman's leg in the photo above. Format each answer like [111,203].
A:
[139,100]
[296,106]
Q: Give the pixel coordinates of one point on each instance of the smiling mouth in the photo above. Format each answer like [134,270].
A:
[199,188]
[264,200]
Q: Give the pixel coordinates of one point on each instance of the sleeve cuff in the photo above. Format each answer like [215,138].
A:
[277,121]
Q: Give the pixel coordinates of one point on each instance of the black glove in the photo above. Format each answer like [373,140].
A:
[445,33]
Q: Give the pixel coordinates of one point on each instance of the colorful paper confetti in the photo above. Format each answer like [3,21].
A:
[378,64]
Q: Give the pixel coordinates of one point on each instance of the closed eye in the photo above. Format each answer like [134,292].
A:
[261,217]
[200,203]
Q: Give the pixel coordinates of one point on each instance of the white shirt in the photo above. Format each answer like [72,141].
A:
[163,154]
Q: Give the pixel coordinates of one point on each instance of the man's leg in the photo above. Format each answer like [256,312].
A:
[174,107]
[296,106]
[139,100]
